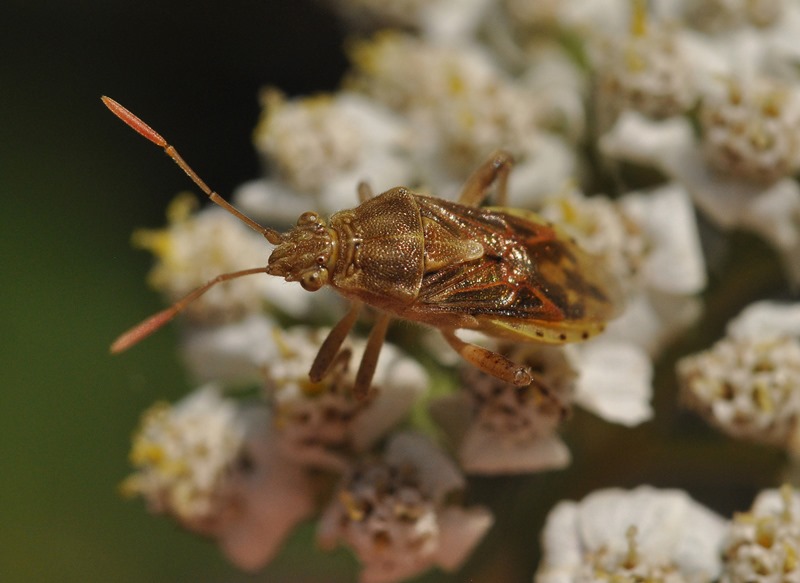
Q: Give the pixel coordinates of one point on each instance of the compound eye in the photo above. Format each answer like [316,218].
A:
[313,280]
[308,218]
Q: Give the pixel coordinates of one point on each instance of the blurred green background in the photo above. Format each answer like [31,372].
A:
[75,182]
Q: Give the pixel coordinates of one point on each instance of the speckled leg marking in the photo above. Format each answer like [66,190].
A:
[490,362]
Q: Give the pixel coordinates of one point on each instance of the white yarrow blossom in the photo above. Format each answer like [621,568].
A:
[646,71]
[750,129]
[642,534]
[322,424]
[318,149]
[462,106]
[763,545]
[395,514]
[746,384]
[768,202]
[182,453]
[232,354]
[207,462]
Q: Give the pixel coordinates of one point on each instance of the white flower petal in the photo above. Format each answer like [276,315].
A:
[773,211]
[498,428]
[601,17]
[182,454]
[746,383]
[766,319]
[437,471]
[636,138]
[675,262]
[614,381]
[484,452]
[271,201]
[400,381]
[763,544]
[548,166]
[461,529]
[775,215]
[320,148]
[651,320]
[196,247]
[451,20]
[232,353]
[289,298]
[562,549]
[775,502]
[562,86]
[321,423]
[271,499]
[212,465]
[658,516]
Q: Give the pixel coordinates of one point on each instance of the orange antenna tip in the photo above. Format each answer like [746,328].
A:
[133,121]
[142,330]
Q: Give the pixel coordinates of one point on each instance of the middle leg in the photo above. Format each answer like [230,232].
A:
[369,362]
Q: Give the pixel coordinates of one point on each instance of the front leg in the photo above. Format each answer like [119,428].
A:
[496,168]
[326,356]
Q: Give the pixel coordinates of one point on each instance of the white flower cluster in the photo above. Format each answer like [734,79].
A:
[751,132]
[645,72]
[764,543]
[182,454]
[209,462]
[746,384]
[395,514]
[623,117]
[648,534]
[642,534]
[739,167]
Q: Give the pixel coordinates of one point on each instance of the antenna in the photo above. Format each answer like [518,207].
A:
[146,131]
[156,321]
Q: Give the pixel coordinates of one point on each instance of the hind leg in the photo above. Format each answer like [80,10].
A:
[490,362]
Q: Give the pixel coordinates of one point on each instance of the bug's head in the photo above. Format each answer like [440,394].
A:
[306,253]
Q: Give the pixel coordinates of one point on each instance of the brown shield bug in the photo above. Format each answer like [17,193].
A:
[450,265]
